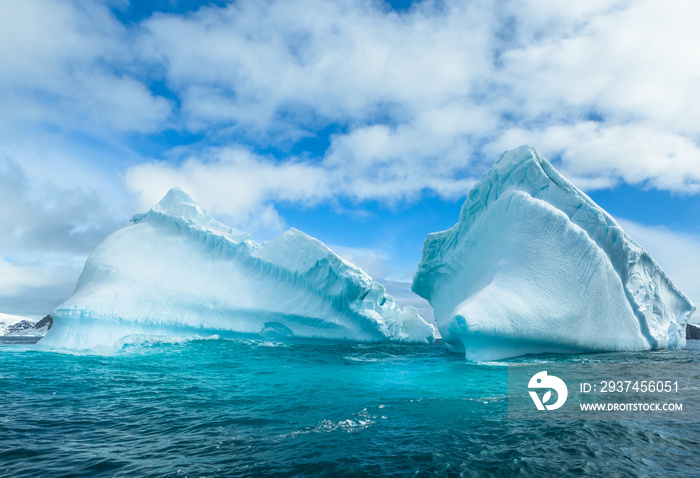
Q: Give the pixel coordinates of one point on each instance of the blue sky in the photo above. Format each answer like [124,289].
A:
[362,123]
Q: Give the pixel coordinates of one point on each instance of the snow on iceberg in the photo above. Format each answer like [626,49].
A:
[178,271]
[534,265]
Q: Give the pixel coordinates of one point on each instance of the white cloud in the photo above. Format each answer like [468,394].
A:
[401,84]
[420,92]
[340,60]
[245,187]
[69,64]
[232,182]
[602,85]
[420,97]
[628,61]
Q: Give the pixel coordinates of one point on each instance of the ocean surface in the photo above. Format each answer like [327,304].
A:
[218,408]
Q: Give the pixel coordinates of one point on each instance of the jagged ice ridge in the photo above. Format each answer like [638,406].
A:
[178,271]
[534,265]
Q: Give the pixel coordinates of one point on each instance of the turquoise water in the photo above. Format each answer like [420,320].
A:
[215,408]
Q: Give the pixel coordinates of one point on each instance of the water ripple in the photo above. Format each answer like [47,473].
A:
[212,407]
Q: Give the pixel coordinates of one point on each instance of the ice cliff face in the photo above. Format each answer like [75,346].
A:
[177,271]
[534,265]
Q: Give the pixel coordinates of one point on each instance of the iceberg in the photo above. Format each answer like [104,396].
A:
[534,266]
[178,271]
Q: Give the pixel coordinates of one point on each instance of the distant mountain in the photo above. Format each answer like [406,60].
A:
[14,325]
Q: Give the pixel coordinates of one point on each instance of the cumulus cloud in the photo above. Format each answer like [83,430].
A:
[400,86]
[245,187]
[421,100]
[320,61]
[68,64]
[232,182]
[427,97]
[622,60]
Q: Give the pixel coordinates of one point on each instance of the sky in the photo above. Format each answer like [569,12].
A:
[363,123]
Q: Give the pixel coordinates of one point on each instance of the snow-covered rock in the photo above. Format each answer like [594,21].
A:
[14,325]
[10,323]
[692,332]
[177,271]
[534,265]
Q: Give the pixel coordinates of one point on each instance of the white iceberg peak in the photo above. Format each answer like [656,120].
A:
[179,209]
[534,265]
[177,203]
[178,271]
